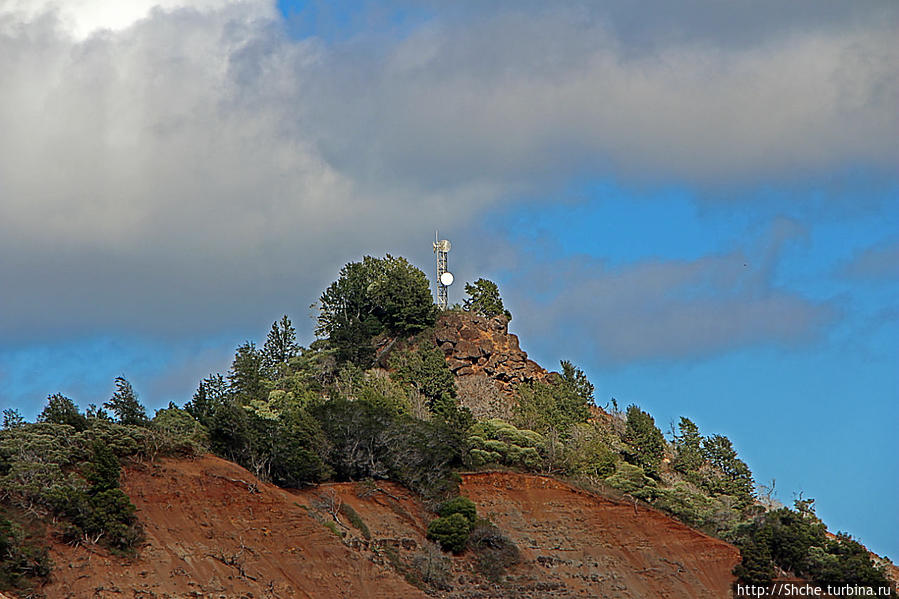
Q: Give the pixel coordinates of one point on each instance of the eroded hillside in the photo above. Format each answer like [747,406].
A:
[214,531]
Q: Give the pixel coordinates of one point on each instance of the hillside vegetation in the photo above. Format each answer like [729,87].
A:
[373,399]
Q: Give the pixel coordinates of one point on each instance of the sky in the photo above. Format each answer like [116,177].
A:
[695,202]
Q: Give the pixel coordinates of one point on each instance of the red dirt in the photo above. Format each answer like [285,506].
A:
[200,514]
[194,518]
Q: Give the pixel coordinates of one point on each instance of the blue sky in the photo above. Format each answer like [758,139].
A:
[697,204]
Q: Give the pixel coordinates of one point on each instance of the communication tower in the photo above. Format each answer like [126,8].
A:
[444,277]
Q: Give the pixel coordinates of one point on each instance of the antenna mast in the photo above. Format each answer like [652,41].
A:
[444,277]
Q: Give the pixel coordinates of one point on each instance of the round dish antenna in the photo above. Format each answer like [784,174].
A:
[444,277]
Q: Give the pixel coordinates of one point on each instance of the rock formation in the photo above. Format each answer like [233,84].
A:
[476,345]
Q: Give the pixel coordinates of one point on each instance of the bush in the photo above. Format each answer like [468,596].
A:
[355,519]
[632,480]
[450,532]
[587,453]
[73,476]
[498,442]
[459,505]
[495,552]
[549,406]
[22,564]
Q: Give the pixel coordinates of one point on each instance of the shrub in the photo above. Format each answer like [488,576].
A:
[544,406]
[482,398]
[498,442]
[22,564]
[450,532]
[180,431]
[495,552]
[459,505]
[632,480]
[587,453]
[355,519]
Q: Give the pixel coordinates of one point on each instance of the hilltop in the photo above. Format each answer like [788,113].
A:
[407,451]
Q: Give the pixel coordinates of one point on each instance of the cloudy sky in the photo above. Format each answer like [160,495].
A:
[697,203]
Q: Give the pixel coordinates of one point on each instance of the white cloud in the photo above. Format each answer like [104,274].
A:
[82,18]
[183,165]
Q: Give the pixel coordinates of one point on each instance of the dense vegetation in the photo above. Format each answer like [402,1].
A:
[338,410]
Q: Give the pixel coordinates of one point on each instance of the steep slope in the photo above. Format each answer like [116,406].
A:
[585,545]
[215,531]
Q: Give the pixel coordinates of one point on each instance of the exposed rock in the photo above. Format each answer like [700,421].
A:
[475,345]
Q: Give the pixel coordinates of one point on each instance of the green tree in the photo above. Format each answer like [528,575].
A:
[125,406]
[370,297]
[246,378]
[730,475]
[552,406]
[688,447]
[645,443]
[426,370]
[211,393]
[280,345]
[297,459]
[62,410]
[103,471]
[484,299]
[577,381]
[12,418]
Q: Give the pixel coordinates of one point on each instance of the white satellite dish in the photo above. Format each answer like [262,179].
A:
[446,278]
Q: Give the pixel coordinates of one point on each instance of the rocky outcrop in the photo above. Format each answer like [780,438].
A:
[476,345]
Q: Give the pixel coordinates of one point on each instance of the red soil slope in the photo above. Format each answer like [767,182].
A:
[214,531]
[209,535]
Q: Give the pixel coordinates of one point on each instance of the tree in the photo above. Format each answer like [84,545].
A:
[688,447]
[371,297]
[246,378]
[125,406]
[553,406]
[296,459]
[12,418]
[731,475]
[645,443]
[577,381]
[62,410]
[425,370]
[483,298]
[281,344]
[210,394]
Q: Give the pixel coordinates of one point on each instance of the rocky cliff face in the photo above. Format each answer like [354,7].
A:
[213,531]
[479,346]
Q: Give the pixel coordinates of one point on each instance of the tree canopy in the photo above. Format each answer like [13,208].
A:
[484,299]
[370,297]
